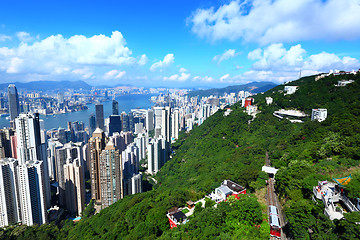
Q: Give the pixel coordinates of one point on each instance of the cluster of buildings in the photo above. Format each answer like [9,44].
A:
[335,73]
[35,102]
[42,171]
[177,216]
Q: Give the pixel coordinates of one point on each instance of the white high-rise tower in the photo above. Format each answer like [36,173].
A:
[30,147]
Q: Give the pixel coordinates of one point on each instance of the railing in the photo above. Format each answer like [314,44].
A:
[349,204]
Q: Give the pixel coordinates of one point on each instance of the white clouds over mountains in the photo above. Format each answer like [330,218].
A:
[277,58]
[272,21]
[276,63]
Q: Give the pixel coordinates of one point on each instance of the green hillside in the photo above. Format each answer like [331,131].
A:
[254,87]
[230,148]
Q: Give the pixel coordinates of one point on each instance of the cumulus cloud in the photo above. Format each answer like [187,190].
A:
[168,60]
[24,36]
[143,60]
[271,21]
[276,57]
[4,37]
[114,74]
[84,73]
[176,77]
[278,64]
[182,70]
[223,78]
[59,55]
[225,56]
[203,79]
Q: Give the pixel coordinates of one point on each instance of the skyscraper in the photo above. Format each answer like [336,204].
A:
[75,186]
[175,124]
[92,123]
[131,122]
[32,193]
[99,112]
[96,144]
[115,107]
[30,147]
[111,177]
[9,198]
[125,122]
[158,116]
[14,107]
[166,123]
[149,119]
[114,124]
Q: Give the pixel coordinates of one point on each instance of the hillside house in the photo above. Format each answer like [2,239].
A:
[319,114]
[290,89]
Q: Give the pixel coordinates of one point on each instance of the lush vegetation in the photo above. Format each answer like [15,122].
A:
[255,87]
[231,148]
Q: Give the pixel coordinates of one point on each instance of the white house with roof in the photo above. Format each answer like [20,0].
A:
[269,100]
[343,83]
[290,89]
[319,114]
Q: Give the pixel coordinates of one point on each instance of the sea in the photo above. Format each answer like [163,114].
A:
[126,103]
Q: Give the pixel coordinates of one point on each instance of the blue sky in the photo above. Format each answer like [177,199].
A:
[177,43]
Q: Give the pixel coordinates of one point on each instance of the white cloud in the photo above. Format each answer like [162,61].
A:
[114,74]
[278,64]
[225,56]
[182,70]
[84,73]
[270,21]
[203,79]
[24,36]
[143,60]
[168,60]
[56,55]
[176,77]
[276,57]
[4,37]
[223,78]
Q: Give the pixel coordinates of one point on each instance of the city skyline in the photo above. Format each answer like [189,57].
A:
[177,44]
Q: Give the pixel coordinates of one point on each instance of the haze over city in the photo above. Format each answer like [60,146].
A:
[176,43]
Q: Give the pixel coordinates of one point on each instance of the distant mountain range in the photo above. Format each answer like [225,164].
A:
[48,85]
[254,87]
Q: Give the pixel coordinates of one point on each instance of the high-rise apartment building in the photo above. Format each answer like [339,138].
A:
[158,116]
[175,124]
[32,193]
[96,144]
[30,147]
[111,177]
[166,123]
[149,120]
[75,186]
[9,194]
